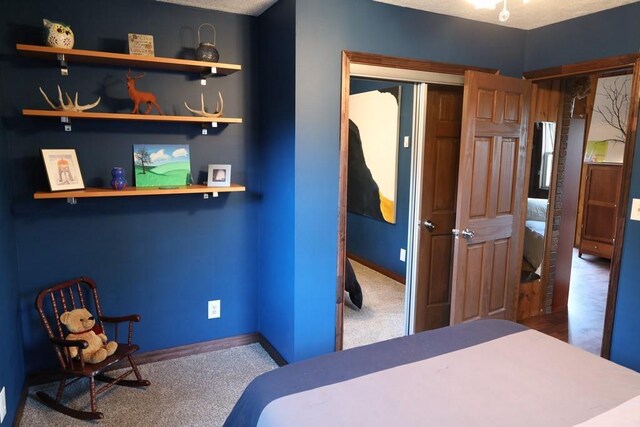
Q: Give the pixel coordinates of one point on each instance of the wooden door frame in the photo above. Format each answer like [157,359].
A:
[632,62]
[348,58]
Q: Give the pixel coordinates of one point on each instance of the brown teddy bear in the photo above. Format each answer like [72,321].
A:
[82,326]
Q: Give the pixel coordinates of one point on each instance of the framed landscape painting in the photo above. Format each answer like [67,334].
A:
[160,166]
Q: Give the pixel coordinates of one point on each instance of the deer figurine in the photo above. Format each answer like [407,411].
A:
[140,97]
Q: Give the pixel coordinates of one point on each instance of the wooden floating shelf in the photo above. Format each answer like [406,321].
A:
[124,59]
[137,191]
[128,116]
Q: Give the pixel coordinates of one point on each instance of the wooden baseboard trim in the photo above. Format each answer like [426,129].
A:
[159,355]
[21,402]
[191,349]
[173,353]
[385,271]
[272,352]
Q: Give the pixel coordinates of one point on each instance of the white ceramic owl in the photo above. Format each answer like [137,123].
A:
[57,34]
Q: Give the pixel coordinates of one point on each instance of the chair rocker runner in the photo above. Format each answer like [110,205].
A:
[67,296]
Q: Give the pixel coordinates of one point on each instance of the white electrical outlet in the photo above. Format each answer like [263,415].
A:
[214,309]
[635,210]
[406,142]
[403,255]
[3,405]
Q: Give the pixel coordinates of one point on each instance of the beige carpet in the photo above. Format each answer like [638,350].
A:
[197,390]
[382,313]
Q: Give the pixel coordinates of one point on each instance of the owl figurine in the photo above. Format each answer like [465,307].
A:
[57,34]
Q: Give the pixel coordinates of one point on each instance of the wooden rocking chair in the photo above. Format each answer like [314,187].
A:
[82,293]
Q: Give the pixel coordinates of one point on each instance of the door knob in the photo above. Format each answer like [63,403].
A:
[466,233]
[429,225]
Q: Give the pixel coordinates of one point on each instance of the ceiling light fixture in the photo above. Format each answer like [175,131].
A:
[491,4]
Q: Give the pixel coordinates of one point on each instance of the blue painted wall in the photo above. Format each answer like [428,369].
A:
[324,29]
[11,357]
[277,149]
[269,254]
[161,257]
[612,32]
[379,241]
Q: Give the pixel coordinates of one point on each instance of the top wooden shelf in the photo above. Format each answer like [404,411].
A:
[97,57]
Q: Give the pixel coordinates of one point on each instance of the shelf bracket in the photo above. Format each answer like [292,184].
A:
[72,200]
[205,127]
[209,73]
[67,123]
[64,68]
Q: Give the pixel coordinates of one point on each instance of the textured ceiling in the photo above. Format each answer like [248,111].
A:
[244,7]
[537,13]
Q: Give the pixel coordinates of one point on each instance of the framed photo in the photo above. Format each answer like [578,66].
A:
[219,176]
[63,169]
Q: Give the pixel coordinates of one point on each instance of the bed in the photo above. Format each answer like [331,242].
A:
[534,230]
[488,372]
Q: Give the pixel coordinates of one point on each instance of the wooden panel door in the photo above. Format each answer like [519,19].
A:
[489,201]
[438,206]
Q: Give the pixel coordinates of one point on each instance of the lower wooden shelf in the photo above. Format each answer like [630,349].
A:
[136,191]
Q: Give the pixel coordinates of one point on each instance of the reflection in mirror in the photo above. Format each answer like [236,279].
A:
[536,219]
[378,181]
[608,127]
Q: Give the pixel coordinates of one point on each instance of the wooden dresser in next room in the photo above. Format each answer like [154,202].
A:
[600,208]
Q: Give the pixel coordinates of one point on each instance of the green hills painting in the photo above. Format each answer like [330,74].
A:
[161,165]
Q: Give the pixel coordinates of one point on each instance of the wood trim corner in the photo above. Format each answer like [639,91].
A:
[271,351]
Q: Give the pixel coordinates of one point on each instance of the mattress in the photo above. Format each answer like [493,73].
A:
[488,372]
[534,242]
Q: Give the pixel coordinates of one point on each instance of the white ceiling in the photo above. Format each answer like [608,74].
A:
[537,13]
[243,7]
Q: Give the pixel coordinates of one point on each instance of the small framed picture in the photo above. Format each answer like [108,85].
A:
[63,169]
[141,44]
[219,176]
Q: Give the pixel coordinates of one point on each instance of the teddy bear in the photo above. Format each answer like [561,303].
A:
[82,326]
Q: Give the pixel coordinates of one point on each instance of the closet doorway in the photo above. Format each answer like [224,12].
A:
[489,201]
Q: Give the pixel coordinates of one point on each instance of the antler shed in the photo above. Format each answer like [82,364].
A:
[69,105]
[203,112]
